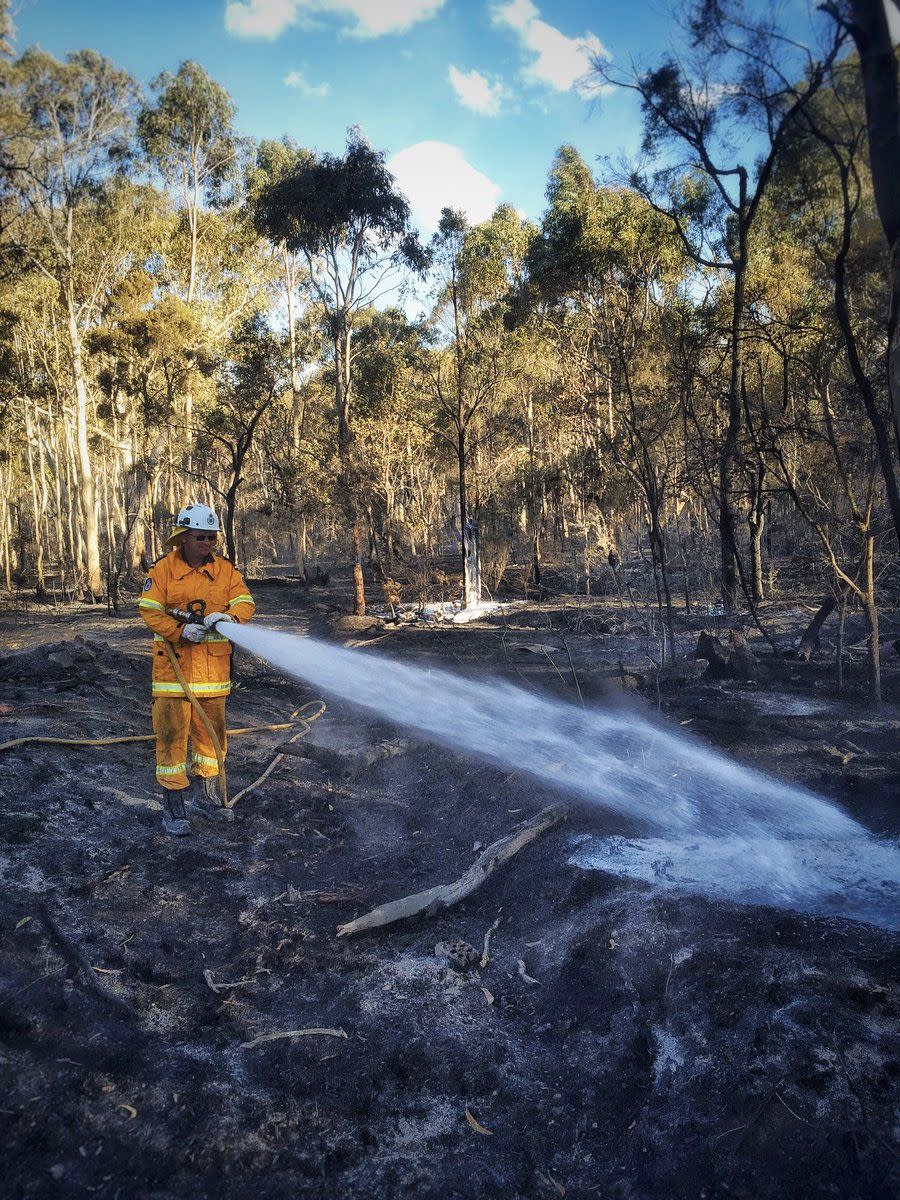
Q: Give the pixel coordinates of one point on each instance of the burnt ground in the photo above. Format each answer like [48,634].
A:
[666,1046]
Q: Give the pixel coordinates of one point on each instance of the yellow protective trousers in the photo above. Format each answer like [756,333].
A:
[173,720]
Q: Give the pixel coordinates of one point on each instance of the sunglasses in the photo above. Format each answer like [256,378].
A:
[203,537]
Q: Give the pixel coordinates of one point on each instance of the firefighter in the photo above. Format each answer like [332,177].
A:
[189,573]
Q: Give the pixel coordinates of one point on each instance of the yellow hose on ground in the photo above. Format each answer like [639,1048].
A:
[39,739]
[305,723]
[300,717]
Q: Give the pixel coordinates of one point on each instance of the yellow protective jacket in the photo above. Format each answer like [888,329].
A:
[172,583]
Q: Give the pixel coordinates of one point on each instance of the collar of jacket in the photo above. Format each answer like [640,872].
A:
[183,567]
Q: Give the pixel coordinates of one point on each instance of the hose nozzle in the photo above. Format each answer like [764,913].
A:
[192,615]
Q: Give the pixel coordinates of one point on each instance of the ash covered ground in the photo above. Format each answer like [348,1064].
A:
[622,1041]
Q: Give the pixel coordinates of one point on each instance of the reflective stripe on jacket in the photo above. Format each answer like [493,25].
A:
[172,583]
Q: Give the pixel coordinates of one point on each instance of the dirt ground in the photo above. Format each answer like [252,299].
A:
[621,1042]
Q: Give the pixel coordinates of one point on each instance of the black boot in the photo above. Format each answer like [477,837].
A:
[175,819]
[207,801]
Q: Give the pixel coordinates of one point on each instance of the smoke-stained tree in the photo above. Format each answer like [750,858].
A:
[865,21]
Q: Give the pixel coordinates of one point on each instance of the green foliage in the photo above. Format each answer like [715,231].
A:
[319,204]
[389,351]
[188,133]
[592,237]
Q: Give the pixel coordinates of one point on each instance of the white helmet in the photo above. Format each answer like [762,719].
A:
[196,516]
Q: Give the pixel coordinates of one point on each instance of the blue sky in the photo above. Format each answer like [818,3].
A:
[470,98]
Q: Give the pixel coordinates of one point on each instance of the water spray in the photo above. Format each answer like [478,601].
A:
[668,782]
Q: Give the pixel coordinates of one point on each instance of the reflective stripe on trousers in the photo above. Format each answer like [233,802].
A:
[202,691]
[173,721]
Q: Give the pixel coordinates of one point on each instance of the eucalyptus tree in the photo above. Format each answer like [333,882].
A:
[474,267]
[835,492]
[249,379]
[7,31]
[274,161]
[822,291]
[393,430]
[146,353]
[744,74]
[67,131]
[604,269]
[347,219]
[188,135]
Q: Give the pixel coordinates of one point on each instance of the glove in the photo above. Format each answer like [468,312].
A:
[214,618]
[194,632]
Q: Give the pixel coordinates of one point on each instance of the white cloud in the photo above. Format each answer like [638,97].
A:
[556,61]
[259,18]
[436,175]
[476,92]
[359,18]
[315,91]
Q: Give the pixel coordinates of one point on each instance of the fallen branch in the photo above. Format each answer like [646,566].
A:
[445,895]
[356,761]
[486,948]
[292,1033]
[520,964]
[223,987]
[76,959]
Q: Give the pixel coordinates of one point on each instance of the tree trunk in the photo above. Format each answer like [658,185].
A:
[37,507]
[472,566]
[533,515]
[144,474]
[730,445]
[56,474]
[297,413]
[863,383]
[807,643]
[756,522]
[878,64]
[94,577]
[342,379]
[468,530]
[300,555]
[5,534]
[359,585]
[839,648]
[871,610]
[658,543]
